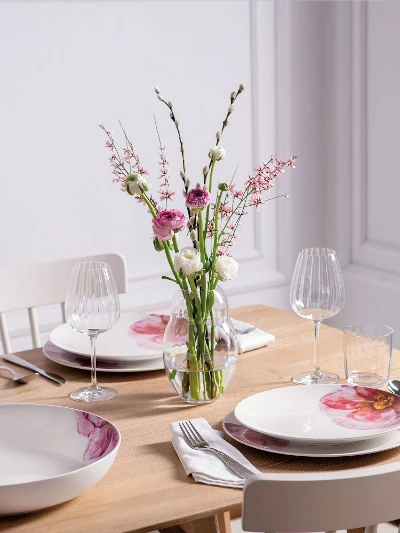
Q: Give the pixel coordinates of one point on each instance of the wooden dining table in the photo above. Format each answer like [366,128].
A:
[147,488]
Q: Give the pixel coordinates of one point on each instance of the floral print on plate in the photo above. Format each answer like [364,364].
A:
[102,436]
[361,408]
[149,331]
[249,436]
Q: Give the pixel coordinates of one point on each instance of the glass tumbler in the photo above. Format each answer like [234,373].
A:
[367,354]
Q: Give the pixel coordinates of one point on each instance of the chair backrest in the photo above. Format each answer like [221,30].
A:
[347,499]
[31,286]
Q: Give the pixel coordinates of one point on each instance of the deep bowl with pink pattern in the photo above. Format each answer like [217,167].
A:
[51,454]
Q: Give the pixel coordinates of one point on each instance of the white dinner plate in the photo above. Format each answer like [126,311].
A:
[321,414]
[51,454]
[136,337]
[260,441]
[56,354]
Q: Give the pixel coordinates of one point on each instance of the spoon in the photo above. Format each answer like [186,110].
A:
[19,378]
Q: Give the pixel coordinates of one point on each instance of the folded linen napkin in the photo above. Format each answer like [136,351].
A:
[252,340]
[205,467]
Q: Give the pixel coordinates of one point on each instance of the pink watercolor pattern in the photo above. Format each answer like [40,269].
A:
[361,408]
[149,332]
[102,436]
[249,436]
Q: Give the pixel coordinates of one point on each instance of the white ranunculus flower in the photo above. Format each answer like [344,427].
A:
[217,153]
[135,183]
[226,267]
[188,260]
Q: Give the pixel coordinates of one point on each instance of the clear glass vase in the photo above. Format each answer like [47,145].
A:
[200,346]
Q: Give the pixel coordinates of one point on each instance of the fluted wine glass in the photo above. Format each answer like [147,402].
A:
[317,293]
[92,307]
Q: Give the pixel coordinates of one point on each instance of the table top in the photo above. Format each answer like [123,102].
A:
[147,487]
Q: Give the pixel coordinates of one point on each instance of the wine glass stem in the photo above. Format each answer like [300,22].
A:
[316,370]
[93,384]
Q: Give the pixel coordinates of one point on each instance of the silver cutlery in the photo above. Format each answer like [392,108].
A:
[394,386]
[19,378]
[11,358]
[195,441]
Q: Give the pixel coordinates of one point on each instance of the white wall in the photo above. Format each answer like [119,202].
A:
[340,84]
[323,82]
[67,66]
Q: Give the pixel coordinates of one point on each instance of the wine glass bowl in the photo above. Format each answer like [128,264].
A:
[317,293]
[92,307]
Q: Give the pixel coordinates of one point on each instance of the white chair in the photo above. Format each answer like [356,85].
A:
[346,499]
[31,286]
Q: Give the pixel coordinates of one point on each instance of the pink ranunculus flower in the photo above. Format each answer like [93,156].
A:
[167,223]
[361,408]
[198,198]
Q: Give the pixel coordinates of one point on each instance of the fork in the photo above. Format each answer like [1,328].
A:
[195,441]
[19,378]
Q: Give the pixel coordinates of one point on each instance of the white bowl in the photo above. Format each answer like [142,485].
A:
[51,454]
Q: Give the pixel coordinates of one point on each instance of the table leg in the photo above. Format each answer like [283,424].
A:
[224,522]
[208,524]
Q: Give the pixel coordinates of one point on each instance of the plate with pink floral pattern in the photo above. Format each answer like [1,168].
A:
[260,441]
[136,337]
[73,360]
[321,414]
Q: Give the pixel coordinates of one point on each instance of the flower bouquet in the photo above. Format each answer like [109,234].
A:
[200,349]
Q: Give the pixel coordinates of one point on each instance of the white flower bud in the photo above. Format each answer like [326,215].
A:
[233,95]
[160,97]
[218,135]
[187,184]
[242,87]
[193,235]
[182,174]
[182,148]
[177,122]
[198,185]
[171,115]
[184,193]
[197,245]
[217,153]
[170,104]
[206,170]
[187,261]
[157,90]
[226,267]
[192,220]
[188,225]
[135,183]
[231,108]
[227,121]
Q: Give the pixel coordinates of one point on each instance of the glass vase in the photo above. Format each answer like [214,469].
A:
[200,346]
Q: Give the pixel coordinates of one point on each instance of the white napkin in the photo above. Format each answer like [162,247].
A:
[205,467]
[252,340]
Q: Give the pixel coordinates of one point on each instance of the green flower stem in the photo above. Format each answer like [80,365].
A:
[214,251]
[149,204]
[210,190]
[203,260]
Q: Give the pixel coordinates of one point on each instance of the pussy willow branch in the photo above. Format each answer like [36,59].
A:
[225,122]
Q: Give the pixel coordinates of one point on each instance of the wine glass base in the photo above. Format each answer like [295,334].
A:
[308,378]
[99,394]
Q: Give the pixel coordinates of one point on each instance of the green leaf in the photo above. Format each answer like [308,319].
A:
[207,266]
[170,279]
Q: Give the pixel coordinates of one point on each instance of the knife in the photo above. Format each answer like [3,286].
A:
[25,364]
